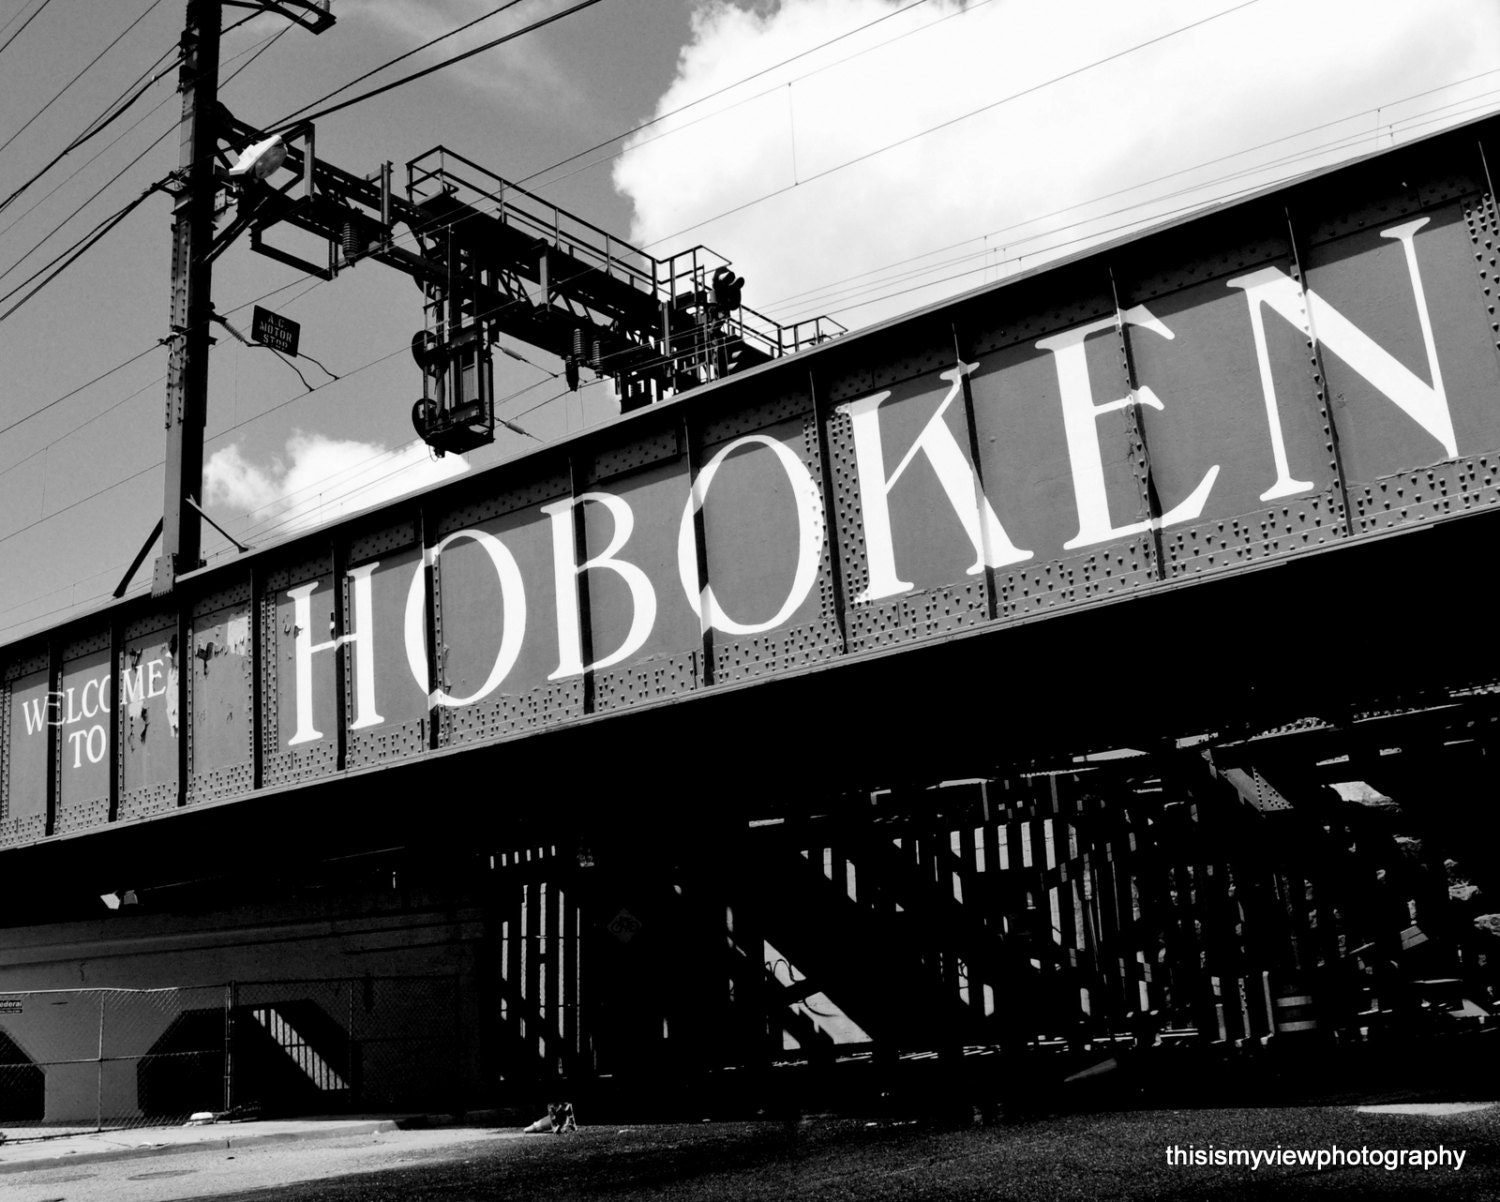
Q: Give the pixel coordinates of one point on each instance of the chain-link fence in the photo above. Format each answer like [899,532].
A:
[111,1058]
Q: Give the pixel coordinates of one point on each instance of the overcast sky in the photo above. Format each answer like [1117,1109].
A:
[852,157]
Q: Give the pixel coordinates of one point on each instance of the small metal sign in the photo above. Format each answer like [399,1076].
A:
[10,1005]
[275,331]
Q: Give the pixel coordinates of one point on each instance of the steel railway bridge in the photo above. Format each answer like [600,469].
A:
[1097,665]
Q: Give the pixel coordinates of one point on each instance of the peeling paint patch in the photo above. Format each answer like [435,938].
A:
[237,635]
[171,694]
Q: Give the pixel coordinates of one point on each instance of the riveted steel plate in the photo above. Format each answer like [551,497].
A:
[151,622]
[1066,495]
[386,717]
[1221,418]
[1427,493]
[653,446]
[232,780]
[1317,364]
[762,654]
[1381,193]
[383,538]
[507,713]
[387,742]
[617,598]
[300,731]
[647,680]
[922,507]
[1390,412]
[4,751]
[83,731]
[1072,295]
[302,762]
[1120,568]
[96,640]
[794,402]
[496,626]
[15,832]
[82,815]
[146,712]
[221,695]
[526,491]
[770,564]
[927,347]
[1222,245]
[234,592]
[147,800]
[26,661]
[916,615]
[1308,520]
[29,712]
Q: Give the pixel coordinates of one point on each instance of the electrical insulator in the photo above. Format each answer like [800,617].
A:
[353,244]
[570,367]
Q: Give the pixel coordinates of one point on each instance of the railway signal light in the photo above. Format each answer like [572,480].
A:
[728,290]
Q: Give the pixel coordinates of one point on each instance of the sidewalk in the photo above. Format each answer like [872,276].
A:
[24,1149]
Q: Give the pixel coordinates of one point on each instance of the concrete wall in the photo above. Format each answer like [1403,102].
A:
[375,936]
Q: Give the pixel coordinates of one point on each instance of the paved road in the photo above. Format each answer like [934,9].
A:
[1117,1156]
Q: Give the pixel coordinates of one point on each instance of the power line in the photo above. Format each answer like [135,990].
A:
[660,117]
[494,12]
[34,15]
[283,125]
[93,128]
[89,384]
[74,252]
[258,48]
[56,95]
[824,289]
[1154,217]
[265,46]
[560,395]
[984,108]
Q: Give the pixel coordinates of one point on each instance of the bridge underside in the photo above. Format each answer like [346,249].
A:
[1199,821]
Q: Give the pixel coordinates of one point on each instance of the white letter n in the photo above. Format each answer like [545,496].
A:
[1326,326]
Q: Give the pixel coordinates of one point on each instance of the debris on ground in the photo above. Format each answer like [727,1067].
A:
[558,1119]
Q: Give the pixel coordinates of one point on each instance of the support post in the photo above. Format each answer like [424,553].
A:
[192,306]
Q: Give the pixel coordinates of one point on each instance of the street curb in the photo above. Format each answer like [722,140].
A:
[230,1142]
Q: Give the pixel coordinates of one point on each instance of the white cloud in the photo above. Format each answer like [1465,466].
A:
[1272,69]
[522,71]
[319,479]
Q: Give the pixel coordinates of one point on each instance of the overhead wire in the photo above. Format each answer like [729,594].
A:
[283,124]
[822,288]
[1097,235]
[98,191]
[34,15]
[287,521]
[95,127]
[682,108]
[1323,149]
[14,221]
[974,112]
[74,252]
[548,400]
[427,45]
[89,131]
